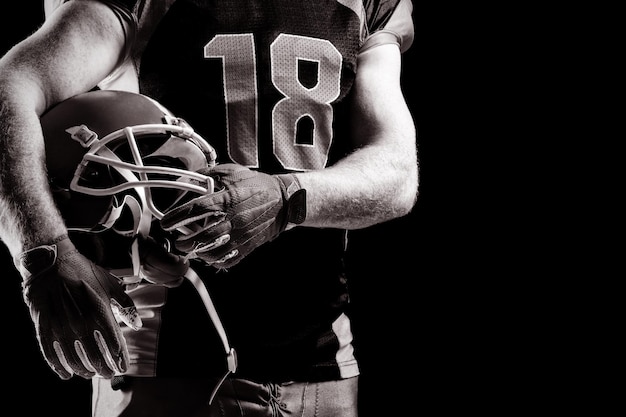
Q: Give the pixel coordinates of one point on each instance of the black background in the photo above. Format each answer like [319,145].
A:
[425,300]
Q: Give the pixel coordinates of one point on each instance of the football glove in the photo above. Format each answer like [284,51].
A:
[247,209]
[74,305]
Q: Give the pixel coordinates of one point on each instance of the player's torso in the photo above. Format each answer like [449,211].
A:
[261,80]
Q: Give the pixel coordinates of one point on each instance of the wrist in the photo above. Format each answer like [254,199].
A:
[295,198]
[40,258]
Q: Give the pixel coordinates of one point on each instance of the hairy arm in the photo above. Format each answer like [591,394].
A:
[78,46]
[379,180]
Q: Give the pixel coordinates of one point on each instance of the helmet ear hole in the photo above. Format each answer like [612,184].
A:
[135,145]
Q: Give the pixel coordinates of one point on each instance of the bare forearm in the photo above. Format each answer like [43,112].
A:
[28,216]
[368,187]
[37,73]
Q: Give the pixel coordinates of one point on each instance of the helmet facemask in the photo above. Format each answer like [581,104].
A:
[101,154]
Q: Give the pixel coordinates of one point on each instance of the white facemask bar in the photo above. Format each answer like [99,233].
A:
[100,153]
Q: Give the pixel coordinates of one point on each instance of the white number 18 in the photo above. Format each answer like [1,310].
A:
[238,55]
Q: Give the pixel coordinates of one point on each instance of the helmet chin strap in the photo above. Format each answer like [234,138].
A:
[142,221]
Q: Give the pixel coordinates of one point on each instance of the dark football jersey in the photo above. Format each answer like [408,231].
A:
[265,83]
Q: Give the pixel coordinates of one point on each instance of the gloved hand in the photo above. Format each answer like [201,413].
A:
[247,209]
[159,266]
[74,305]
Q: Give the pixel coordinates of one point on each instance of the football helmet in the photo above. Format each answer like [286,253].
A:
[106,148]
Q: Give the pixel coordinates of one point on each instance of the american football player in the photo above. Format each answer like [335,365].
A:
[302,104]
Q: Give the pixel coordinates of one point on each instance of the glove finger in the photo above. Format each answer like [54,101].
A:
[44,345]
[216,256]
[111,347]
[124,310]
[59,361]
[120,366]
[84,358]
[205,239]
[54,356]
[242,240]
[239,250]
[227,171]
[203,210]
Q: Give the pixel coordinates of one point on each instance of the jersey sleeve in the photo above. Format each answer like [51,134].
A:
[389,22]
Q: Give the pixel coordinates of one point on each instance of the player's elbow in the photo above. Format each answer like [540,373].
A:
[405,166]
[407,191]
